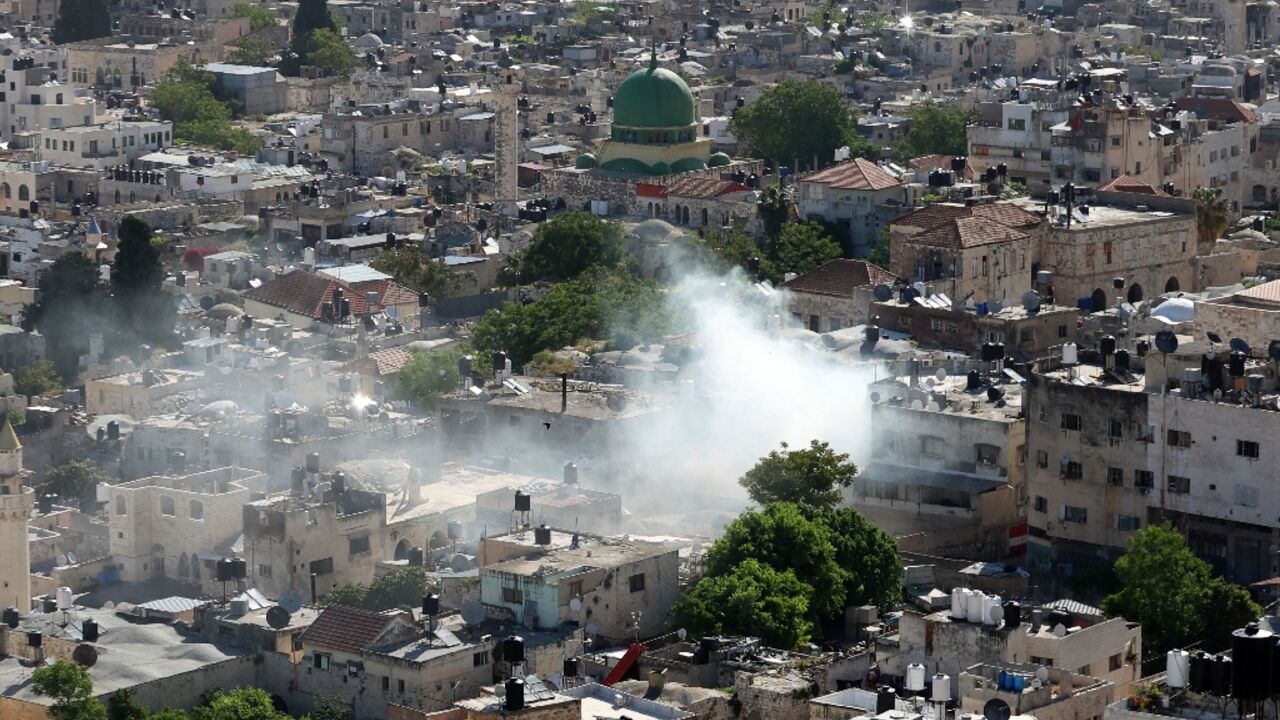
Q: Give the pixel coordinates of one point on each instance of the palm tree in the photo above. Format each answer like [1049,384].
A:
[774,209]
[1212,214]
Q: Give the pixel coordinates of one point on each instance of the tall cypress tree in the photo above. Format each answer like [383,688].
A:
[82,20]
[313,15]
[145,312]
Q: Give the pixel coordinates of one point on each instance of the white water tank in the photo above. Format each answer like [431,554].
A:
[957,601]
[992,607]
[1070,355]
[915,677]
[233,325]
[1177,668]
[973,610]
[63,596]
[941,688]
[309,256]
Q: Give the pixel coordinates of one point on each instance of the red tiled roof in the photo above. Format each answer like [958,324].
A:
[1223,109]
[704,188]
[963,232]
[840,278]
[346,629]
[936,214]
[650,190]
[380,363]
[305,293]
[1126,183]
[926,163]
[855,174]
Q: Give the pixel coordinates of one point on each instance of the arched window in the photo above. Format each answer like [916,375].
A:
[8,192]
[1098,300]
[166,506]
[197,510]
[184,567]
[24,193]
[1172,285]
[121,505]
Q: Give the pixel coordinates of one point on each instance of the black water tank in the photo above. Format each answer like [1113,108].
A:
[464,366]
[1122,359]
[515,695]
[239,569]
[886,699]
[499,360]
[224,571]
[35,639]
[50,605]
[988,352]
[89,630]
[524,501]
[1235,365]
[113,430]
[1220,676]
[1012,614]
[709,644]
[873,333]
[11,617]
[1201,672]
[570,473]
[1107,345]
[1143,347]
[416,556]
[339,482]
[1251,667]
[313,462]
[430,604]
[542,535]
[570,667]
[513,649]
[973,380]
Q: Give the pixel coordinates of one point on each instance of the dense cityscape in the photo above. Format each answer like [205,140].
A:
[643,359]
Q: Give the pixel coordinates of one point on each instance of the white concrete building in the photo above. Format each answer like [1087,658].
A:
[102,145]
[16,503]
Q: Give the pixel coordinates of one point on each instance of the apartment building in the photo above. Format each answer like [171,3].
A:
[99,146]
[33,99]
[857,196]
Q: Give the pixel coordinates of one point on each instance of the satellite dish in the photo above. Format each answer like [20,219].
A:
[60,559]
[875,397]
[1214,337]
[472,612]
[917,404]
[1217,394]
[1042,674]
[592,629]
[1031,301]
[930,382]
[996,709]
[207,303]
[1126,312]
[1240,346]
[682,634]
[994,306]
[882,292]
[71,558]
[85,655]
[1167,342]
[997,615]
[1060,630]
[941,374]
[291,601]
[108,605]
[575,604]
[500,690]
[934,407]
[278,617]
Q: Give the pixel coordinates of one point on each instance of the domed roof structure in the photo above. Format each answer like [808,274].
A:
[653,98]
[368,41]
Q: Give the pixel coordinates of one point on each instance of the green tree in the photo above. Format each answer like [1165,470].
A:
[935,129]
[565,246]
[71,690]
[811,476]
[880,252]
[82,20]
[767,128]
[774,208]
[1228,607]
[259,17]
[70,306]
[597,305]
[773,536]
[324,49]
[349,594]
[145,313]
[427,376]
[252,51]
[246,703]
[867,554]
[1164,586]
[732,247]
[751,599]
[801,247]
[122,706]
[331,708]
[75,480]
[1212,214]
[313,15]
[415,269]
[38,379]
[398,588]
[187,96]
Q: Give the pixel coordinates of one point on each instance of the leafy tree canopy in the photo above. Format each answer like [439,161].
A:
[313,15]
[801,247]
[145,313]
[809,476]
[71,690]
[252,51]
[597,305]
[70,306]
[1164,586]
[187,96]
[82,20]
[259,17]
[414,269]
[38,379]
[75,480]
[935,129]
[769,128]
[567,245]
[247,703]
[398,588]
[751,599]
[427,376]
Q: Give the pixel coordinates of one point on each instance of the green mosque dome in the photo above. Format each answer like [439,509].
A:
[653,98]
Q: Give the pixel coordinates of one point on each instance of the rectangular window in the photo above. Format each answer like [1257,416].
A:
[1042,459]
[1072,470]
[1179,438]
[386,683]
[1246,495]
[1042,504]
[932,446]
[480,659]
[636,582]
[322,661]
[1115,662]
[1070,421]
[1247,449]
[264,571]
[512,596]
[1115,429]
[1144,479]
[1179,485]
[1017,124]
[1115,476]
[1128,523]
[359,546]
[400,686]
[1070,513]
